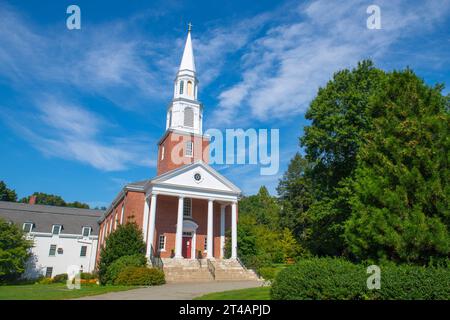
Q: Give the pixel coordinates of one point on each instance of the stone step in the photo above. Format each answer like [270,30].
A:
[184,270]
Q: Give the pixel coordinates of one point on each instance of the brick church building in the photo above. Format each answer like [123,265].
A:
[186,210]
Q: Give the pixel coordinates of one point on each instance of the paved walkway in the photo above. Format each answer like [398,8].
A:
[175,291]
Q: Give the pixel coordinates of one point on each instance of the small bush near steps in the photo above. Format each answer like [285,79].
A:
[140,276]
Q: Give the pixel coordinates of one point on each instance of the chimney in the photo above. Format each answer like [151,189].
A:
[32,199]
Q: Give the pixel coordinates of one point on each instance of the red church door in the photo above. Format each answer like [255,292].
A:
[187,243]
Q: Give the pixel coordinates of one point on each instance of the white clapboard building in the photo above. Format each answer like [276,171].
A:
[62,236]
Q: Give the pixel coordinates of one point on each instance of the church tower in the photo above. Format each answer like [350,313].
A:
[183,142]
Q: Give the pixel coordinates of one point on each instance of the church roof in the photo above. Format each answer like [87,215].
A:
[187,62]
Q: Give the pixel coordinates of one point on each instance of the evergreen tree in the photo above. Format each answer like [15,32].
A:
[262,206]
[294,190]
[7,194]
[126,240]
[400,207]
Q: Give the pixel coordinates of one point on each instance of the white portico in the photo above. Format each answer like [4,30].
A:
[196,181]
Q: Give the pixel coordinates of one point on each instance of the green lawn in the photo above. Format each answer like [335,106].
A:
[57,291]
[259,293]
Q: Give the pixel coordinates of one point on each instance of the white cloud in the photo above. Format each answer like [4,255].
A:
[68,131]
[284,68]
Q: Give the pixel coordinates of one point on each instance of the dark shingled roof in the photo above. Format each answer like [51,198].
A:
[43,217]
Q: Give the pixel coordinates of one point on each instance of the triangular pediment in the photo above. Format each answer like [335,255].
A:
[198,176]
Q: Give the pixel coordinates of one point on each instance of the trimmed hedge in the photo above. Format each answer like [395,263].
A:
[120,264]
[413,283]
[59,278]
[338,279]
[320,279]
[140,276]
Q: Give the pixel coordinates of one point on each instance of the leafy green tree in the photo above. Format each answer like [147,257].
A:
[77,204]
[262,206]
[54,200]
[14,251]
[126,240]
[7,194]
[400,206]
[340,118]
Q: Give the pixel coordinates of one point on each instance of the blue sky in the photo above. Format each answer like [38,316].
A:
[81,111]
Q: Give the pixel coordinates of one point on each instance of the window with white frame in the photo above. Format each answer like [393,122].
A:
[28,227]
[121,214]
[187,207]
[86,231]
[83,251]
[162,152]
[56,229]
[52,250]
[189,149]
[181,86]
[162,243]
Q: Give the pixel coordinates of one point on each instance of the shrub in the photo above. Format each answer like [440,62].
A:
[336,279]
[88,276]
[140,276]
[413,283]
[59,278]
[45,281]
[120,264]
[268,273]
[126,240]
[322,279]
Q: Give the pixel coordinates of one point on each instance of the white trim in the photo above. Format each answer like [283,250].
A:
[165,176]
[122,213]
[28,223]
[53,229]
[222,231]
[89,233]
[171,190]
[164,242]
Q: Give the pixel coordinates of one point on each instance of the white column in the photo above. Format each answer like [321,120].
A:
[222,231]
[233,231]
[179,236]
[145,220]
[194,245]
[151,231]
[209,243]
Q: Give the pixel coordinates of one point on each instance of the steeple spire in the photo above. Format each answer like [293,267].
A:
[187,62]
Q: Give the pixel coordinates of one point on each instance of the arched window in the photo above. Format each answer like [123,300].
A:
[189,117]
[189,88]
[181,86]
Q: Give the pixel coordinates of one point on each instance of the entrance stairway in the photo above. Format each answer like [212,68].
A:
[200,270]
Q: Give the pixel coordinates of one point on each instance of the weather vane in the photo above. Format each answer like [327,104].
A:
[189,27]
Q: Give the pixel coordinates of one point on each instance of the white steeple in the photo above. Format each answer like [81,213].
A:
[187,62]
[185,111]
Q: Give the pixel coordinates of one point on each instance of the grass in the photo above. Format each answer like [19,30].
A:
[258,293]
[57,291]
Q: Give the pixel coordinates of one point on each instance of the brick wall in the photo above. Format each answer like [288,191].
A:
[175,142]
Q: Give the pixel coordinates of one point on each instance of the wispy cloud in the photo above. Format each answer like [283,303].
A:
[69,131]
[283,69]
